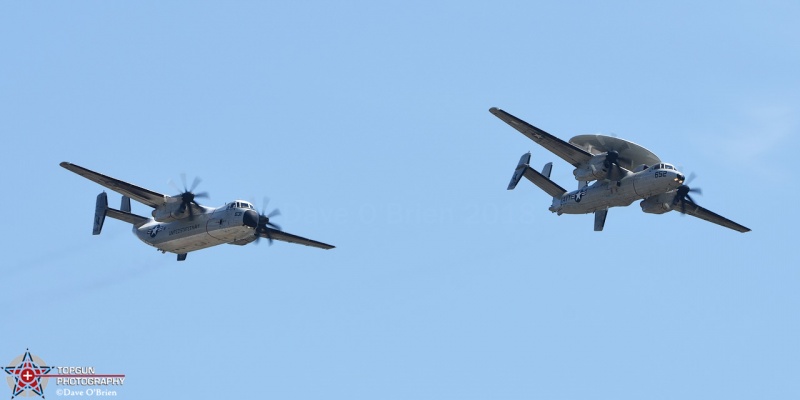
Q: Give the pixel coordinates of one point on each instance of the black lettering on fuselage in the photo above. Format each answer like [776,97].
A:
[184,229]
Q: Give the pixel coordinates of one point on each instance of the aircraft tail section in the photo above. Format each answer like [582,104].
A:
[101,211]
[600,219]
[126,204]
[521,165]
[542,180]
[547,169]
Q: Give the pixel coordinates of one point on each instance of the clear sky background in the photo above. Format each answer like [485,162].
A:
[367,124]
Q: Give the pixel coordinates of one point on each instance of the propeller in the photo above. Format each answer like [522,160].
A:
[612,159]
[188,196]
[264,222]
[682,194]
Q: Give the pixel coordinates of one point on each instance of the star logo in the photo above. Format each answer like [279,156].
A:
[25,375]
[154,231]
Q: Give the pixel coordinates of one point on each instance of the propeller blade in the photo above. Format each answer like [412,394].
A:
[690,178]
[174,186]
[274,225]
[188,198]
[264,223]
[264,203]
[196,182]
[269,238]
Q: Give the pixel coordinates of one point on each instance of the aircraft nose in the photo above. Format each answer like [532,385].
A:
[250,218]
[681,178]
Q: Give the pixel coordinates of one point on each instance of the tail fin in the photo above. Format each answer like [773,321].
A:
[521,166]
[100,210]
[126,204]
[600,219]
[547,169]
[542,180]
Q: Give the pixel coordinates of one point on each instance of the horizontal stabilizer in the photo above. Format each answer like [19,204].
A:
[126,216]
[543,182]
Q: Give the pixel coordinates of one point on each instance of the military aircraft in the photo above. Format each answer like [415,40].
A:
[179,224]
[622,171]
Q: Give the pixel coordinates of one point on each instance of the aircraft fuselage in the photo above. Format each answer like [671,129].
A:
[210,227]
[605,194]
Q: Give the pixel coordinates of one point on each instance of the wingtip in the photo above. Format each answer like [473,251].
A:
[494,110]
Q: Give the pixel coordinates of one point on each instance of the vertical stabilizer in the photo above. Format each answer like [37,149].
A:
[100,209]
[521,166]
[600,219]
[547,169]
[126,204]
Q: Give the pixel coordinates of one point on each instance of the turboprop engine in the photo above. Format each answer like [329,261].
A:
[658,204]
[595,169]
[179,205]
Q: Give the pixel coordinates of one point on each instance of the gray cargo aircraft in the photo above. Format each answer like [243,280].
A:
[179,224]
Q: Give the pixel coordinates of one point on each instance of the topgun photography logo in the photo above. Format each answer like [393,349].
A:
[29,375]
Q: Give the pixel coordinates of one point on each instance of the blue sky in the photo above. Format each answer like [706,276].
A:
[367,124]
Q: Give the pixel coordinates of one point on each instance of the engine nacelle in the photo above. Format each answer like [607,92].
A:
[658,204]
[593,170]
[168,212]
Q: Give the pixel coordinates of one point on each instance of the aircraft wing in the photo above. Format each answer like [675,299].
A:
[710,216]
[142,195]
[288,237]
[569,152]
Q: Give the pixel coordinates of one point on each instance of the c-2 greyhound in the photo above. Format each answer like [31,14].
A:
[179,224]
[622,171]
